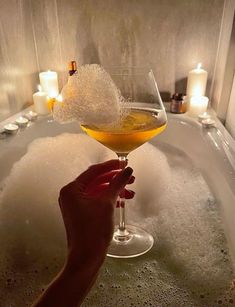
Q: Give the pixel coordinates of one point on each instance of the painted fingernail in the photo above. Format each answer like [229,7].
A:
[128,170]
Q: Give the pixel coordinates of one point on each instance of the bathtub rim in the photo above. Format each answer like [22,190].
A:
[222,133]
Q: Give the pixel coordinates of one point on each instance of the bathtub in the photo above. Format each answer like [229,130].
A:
[160,277]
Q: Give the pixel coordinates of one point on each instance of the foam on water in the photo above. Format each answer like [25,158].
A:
[189,264]
[89,92]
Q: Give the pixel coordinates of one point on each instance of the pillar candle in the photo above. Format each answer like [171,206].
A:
[198,105]
[197,79]
[40,101]
[49,83]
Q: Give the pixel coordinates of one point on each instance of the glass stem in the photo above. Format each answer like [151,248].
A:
[121,200]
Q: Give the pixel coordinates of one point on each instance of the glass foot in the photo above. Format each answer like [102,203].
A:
[131,242]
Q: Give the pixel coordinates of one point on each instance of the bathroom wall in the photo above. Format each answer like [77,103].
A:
[171,36]
[18,69]
[225,62]
[228,92]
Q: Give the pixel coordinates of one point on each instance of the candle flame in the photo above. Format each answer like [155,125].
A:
[199,65]
[39,88]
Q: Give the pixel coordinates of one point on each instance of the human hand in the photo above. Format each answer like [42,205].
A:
[87,206]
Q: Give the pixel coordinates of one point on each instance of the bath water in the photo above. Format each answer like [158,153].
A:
[189,264]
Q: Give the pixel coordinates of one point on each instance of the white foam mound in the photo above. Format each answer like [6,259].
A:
[29,208]
[189,264]
[90,97]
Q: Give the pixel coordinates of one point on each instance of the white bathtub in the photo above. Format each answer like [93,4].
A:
[212,152]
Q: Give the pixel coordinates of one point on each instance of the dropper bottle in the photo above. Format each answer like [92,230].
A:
[72,68]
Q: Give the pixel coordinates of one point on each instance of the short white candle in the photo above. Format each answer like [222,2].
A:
[22,121]
[197,79]
[49,83]
[203,116]
[40,101]
[11,128]
[197,105]
[207,123]
[31,115]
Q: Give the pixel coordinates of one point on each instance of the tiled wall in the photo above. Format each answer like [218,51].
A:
[171,36]
[18,68]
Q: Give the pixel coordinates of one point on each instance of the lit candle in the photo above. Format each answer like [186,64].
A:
[203,116]
[31,115]
[207,123]
[40,101]
[11,128]
[197,79]
[198,105]
[49,83]
[22,121]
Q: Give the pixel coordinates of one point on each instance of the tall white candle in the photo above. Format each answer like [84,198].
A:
[40,101]
[49,83]
[197,79]
[198,105]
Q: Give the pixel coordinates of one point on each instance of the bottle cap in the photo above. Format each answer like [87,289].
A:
[178,96]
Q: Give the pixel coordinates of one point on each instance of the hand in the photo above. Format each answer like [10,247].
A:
[87,206]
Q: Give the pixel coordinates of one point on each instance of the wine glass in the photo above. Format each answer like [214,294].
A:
[143,118]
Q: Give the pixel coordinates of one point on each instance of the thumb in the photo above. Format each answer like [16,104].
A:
[118,183]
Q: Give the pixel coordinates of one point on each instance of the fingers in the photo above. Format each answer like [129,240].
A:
[127,194]
[131,180]
[118,183]
[101,189]
[97,170]
[105,179]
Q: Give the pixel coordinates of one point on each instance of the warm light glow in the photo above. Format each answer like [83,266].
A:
[39,88]
[199,65]
[198,105]
[59,98]
[49,83]
[197,90]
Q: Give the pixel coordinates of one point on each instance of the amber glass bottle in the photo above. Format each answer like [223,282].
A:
[72,67]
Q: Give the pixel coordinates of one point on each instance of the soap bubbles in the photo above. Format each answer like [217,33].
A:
[172,201]
[90,97]
[29,208]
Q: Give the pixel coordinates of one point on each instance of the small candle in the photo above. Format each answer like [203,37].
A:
[40,101]
[197,79]
[22,121]
[207,123]
[31,115]
[197,105]
[11,128]
[203,116]
[49,83]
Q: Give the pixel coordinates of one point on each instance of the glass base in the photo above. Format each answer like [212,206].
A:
[131,242]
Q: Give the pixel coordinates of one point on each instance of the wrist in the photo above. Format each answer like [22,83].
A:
[77,261]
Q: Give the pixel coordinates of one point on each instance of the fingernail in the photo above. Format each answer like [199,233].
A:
[128,170]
